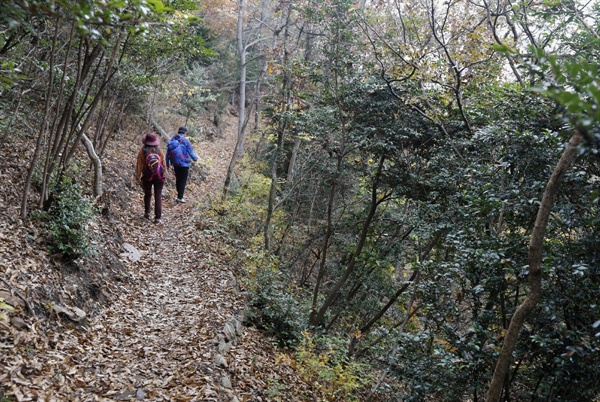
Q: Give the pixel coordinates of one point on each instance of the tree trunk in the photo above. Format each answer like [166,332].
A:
[161,131]
[52,128]
[86,114]
[317,317]
[292,162]
[367,327]
[535,271]
[239,145]
[64,131]
[325,246]
[115,126]
[281,129]
[43,127]
[273,189]
[107,104]
[410,312]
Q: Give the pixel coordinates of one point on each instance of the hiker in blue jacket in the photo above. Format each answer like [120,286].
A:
[180,154]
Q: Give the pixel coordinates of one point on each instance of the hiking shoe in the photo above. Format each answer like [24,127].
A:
[157,221]
[147,216]
[180,200]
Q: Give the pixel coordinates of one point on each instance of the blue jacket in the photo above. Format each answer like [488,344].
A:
[183,156]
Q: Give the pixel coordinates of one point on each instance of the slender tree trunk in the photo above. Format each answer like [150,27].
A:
[367,327]
[113,128]
[88,113]
[81,117]
[281,131]
[410,312]
[273,189]
[64,127]
[318,316]
[535,270]
[325,246]
[426,251]
[359,281]
[43,126]
[292,162]
[64,130]
[54,132]
[239,145]
[107,104]
[15,113]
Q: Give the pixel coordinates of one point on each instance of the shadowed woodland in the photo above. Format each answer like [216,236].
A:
[394,201]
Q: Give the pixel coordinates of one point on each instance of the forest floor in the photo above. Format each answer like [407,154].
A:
[163,308]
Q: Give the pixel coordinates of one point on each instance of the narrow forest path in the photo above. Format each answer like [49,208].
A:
[162,332]
[162,329]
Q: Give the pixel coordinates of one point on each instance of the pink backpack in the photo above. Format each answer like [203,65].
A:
[154,169]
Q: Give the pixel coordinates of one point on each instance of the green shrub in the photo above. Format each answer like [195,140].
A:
[325,363]
[67,220]
[276,389]
[272,305]
[243,213]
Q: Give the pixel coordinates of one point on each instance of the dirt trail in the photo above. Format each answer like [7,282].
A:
[156,336]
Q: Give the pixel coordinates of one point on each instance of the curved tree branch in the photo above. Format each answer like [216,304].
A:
[97,164]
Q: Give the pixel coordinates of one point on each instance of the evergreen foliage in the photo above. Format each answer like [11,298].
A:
[68,220]
[413,195]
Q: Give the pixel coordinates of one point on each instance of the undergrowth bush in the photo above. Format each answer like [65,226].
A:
[324,362]
[67,220]
[242,214]
[273,306]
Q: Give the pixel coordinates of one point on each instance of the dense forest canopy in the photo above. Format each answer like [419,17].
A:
[415,184]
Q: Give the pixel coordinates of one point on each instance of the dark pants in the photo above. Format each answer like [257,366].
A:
[181,176]
[158,187]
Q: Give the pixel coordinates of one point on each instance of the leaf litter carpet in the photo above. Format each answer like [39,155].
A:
[153,340]
[156,336]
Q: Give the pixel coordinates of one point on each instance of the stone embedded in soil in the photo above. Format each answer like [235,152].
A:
[132,253]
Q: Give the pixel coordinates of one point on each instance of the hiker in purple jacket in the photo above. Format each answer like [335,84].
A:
[180,154]
[150,177]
